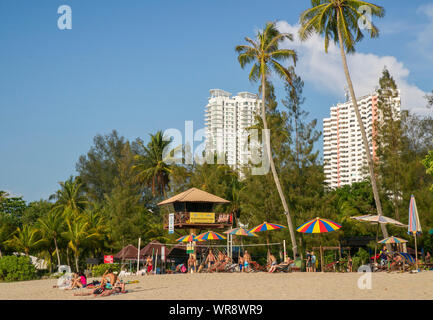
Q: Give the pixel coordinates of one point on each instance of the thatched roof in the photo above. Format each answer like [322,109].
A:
[151,246]
[194,195]
[128,252]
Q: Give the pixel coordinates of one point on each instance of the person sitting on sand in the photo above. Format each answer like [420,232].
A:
[192,263]
[109,277]
[273,263]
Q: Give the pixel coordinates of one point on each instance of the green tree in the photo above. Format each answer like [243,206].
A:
[389,142]
[338,20]
[26,239]
[98,168]
[70,196]
[265,54]
[51,226]
[150,165]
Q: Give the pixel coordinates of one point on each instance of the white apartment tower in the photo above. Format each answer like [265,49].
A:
[343,150]
[226,119]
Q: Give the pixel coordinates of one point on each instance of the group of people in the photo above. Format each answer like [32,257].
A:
[310,262]
[109,284]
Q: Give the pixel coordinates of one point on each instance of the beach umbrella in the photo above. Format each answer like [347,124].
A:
[392,239]
[265,226]
[240,232]
[414,227]
[378,219]
[320,226]
[210,235]
[188,238]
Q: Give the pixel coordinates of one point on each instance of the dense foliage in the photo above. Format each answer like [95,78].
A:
[13,268]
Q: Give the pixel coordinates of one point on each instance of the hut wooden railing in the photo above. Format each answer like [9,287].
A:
[181,219]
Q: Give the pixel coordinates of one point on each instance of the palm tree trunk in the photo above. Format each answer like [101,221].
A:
[361,126]
[57,251]
[274,171]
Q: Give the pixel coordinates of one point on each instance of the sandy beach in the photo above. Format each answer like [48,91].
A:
[234,286]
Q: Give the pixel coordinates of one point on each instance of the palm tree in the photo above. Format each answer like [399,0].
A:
[51,227]
[266,55]
[26,239]
[338,20]
[151,167]
[79,235]
[70,196]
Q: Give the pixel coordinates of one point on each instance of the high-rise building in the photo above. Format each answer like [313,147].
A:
[344,154]
[226,119]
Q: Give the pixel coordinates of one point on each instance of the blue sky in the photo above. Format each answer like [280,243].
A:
[139,66]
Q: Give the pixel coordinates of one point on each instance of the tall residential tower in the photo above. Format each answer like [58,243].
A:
[343,150]
[226,119]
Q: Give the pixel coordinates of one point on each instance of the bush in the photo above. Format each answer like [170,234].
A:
[98,270]
[13,268]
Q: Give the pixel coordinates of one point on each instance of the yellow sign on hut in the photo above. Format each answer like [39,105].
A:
[202,217]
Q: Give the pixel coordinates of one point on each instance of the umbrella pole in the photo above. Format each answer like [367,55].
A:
[375,244]
[321,255]
[416,252]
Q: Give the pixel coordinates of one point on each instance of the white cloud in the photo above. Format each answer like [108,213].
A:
[325,70]
[424,38]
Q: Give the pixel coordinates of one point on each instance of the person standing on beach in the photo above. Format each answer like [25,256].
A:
[308,262]
[241,263]
[247,261]
[210,260]
[313,261]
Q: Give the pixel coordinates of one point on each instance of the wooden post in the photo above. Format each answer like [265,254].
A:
[138,255]
[284,250]
[156,261]
[321,255]
[375,244]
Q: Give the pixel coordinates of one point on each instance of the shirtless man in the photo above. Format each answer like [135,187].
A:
[192,263]
[241,263]
[210,260]
[247,261]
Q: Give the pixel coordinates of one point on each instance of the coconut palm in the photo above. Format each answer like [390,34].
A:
[51,226]
[70,196]
[79,235]
[337,20]
[151,167]
[26,239]
[266,56]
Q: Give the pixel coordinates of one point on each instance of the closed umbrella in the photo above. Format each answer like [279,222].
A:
[414,227]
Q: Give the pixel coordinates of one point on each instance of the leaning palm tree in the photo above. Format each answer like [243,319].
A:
[337,20]
[266,56]
[151,167]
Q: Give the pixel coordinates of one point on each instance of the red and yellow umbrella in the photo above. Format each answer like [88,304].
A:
[265,226]
[188,238]
[318,225]
[210,235]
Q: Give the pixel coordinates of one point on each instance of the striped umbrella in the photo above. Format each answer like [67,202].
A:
[414,227]
[210,235]
[265,226]
[188,238]
[392,239]
[320,226]
[240,232]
